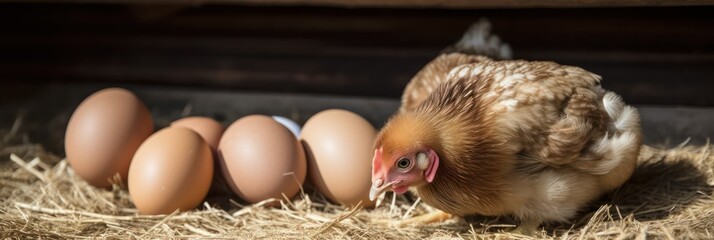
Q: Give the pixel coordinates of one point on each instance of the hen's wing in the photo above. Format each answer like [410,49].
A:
[431,76]
[555,115]
[476,43]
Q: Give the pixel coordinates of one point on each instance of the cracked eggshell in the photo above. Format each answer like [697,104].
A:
[289,124]
[103,134]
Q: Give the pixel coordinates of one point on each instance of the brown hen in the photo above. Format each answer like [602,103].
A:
[535,140]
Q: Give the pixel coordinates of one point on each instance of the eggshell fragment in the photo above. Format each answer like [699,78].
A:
[261,159]
[103,134]
[289,124]
[338,145]
[171,170]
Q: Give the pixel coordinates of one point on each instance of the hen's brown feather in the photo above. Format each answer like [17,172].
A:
[476,43]
[431,76]
[534,139]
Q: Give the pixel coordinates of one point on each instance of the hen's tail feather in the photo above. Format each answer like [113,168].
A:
[479,40]
[624,118]
[620,142]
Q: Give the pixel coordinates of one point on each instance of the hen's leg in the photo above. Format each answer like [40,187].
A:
[526,227]
[432,217]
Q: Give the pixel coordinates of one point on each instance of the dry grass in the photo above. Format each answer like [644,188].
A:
[670,197]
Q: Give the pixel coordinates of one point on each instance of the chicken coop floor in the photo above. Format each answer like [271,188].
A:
[670,196]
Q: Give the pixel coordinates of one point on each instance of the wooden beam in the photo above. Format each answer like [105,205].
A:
[444,4]
[649,55]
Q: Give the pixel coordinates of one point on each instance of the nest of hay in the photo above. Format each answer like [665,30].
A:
[670,196]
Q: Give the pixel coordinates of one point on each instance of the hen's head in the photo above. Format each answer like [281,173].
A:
[404,155]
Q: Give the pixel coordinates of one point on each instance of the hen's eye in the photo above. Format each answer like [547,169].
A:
[404,163]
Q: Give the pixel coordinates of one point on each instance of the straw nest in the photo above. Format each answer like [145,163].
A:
[669,197]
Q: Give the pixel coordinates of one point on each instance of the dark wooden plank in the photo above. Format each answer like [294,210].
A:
[459,4]
[649,55]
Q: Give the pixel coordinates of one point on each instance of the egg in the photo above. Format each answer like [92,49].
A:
[338,145]
[261,159]
[210,130]
[289,124]
[103,134]
[171,170]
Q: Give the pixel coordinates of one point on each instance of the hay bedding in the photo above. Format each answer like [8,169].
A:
[669,197]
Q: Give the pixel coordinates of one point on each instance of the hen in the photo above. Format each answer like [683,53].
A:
[535,140]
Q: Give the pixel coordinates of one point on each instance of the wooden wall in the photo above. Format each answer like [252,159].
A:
[651,55]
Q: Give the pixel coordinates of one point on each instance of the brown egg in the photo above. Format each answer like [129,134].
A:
[104,132]
[209,129]
[338,145]
[171,170]
[256,153]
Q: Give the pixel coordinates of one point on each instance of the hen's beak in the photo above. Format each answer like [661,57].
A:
[378,187]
